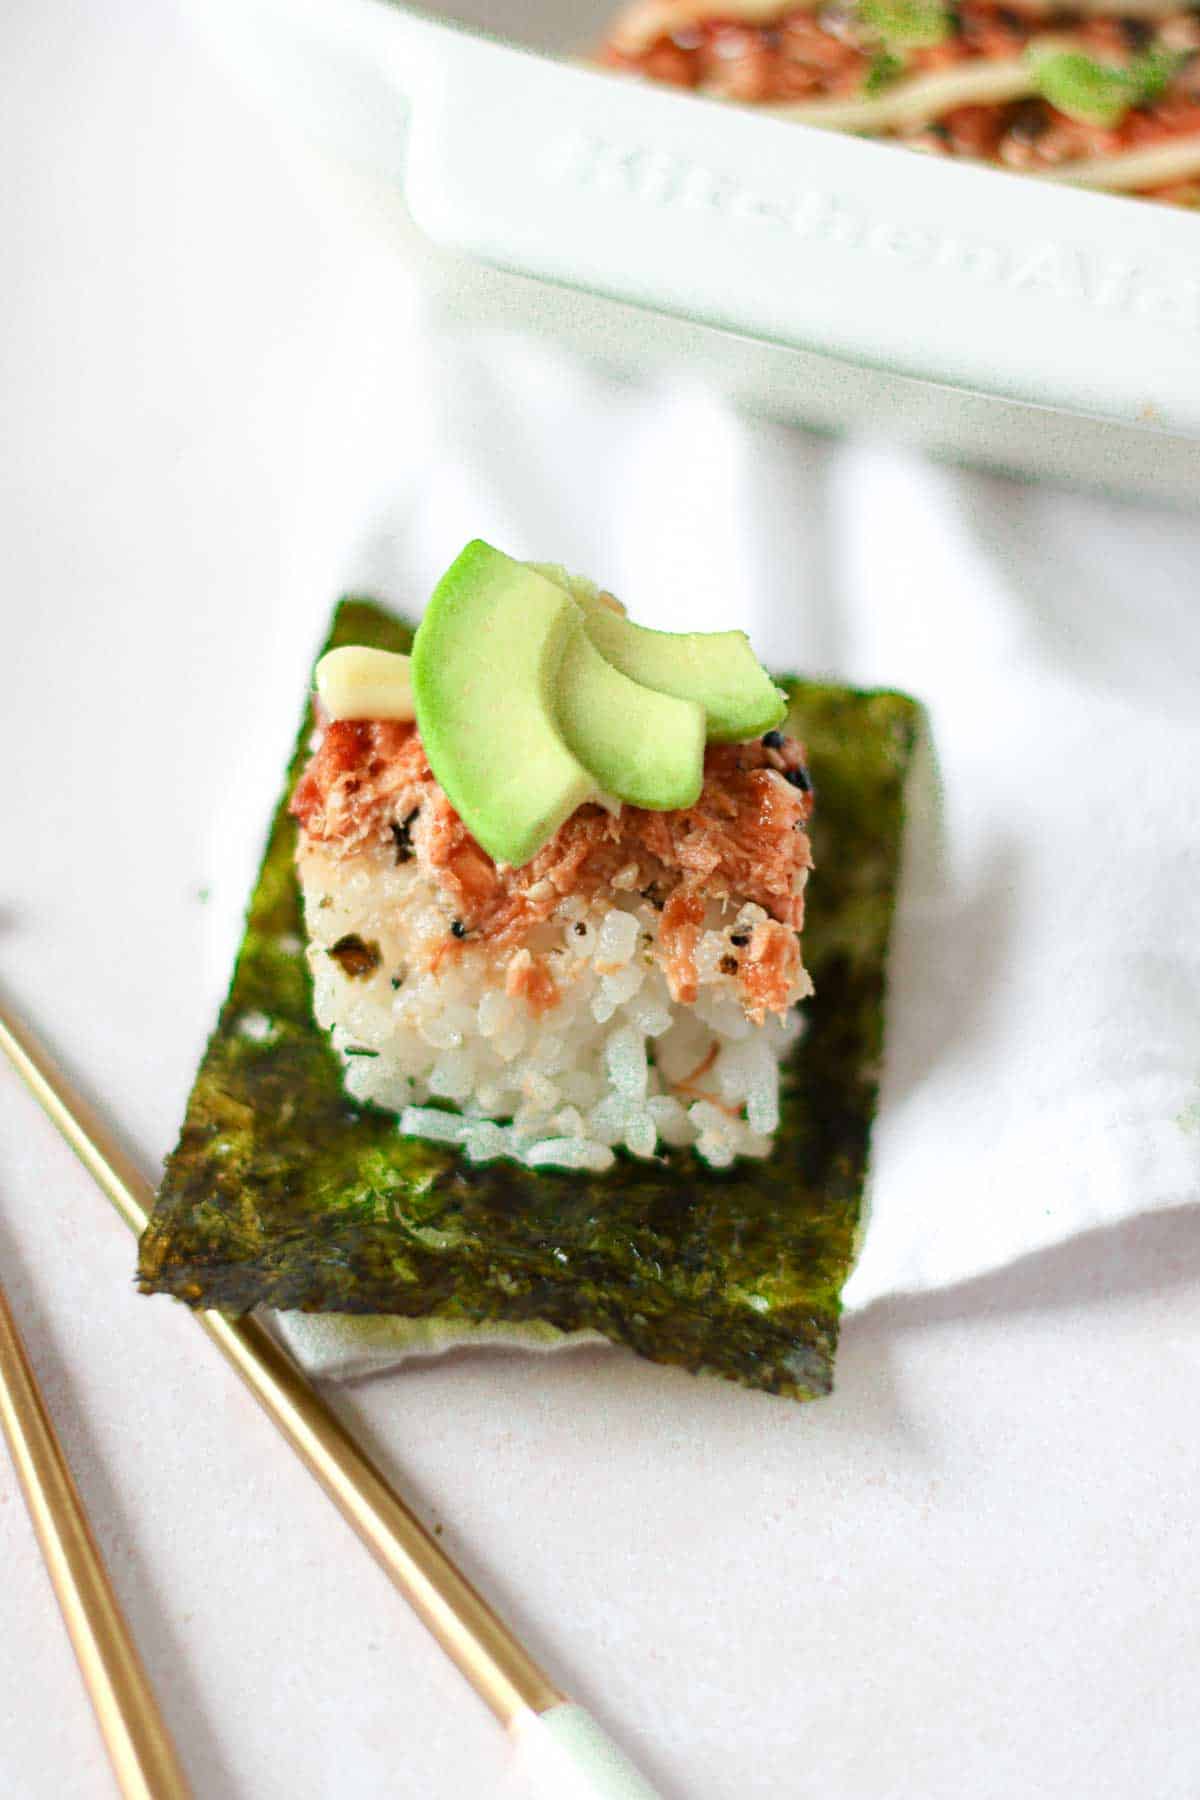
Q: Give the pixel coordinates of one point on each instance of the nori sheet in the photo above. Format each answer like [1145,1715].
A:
[283,1192]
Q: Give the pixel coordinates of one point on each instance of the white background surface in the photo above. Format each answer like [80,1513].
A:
[973,1572]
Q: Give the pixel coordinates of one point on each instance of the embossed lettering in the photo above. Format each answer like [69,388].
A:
[1111,288]
[1050,269]
[820,215]
[908,243]
[1068,273]
[1176,303]
[982,262]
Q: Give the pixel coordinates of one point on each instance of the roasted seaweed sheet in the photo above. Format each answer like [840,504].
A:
[284,1192]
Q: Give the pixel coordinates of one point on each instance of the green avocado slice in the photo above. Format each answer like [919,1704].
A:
[718,669]
[485,668]
[643,747]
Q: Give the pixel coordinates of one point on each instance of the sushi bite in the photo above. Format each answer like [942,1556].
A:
[286,1191]
[553,869]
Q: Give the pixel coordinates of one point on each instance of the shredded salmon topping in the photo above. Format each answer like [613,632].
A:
[359,780]
[529,980]
[744,840]
[777,53]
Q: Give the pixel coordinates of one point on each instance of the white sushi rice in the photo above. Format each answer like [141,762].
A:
[615,1063]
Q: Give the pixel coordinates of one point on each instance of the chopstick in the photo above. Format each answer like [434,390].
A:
[570,1748]
[135,1736]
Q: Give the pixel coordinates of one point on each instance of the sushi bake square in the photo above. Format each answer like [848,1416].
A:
[284,1191]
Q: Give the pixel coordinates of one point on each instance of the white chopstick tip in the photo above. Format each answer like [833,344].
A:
[563,1754]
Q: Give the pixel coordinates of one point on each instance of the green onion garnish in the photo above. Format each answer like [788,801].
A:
[1098,93]
[916,24]
[883,70]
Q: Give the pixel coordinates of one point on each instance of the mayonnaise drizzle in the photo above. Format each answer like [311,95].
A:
[357,683]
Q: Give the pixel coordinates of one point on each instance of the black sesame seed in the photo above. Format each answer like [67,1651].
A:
[402,836]
[729,965]
[457,928]
[740,938]
[799,779]
[1138,33]
[580,928]
[773,740]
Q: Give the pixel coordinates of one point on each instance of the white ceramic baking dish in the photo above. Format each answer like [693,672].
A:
[817,277]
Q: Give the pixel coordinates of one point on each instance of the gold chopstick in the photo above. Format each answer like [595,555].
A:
[566,1750]
[138,1742]
[497,1665]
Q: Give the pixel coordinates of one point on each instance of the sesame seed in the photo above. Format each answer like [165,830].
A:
[402,836]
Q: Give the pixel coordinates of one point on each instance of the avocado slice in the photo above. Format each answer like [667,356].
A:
[485,667]
[533,694]
[716,668]
[643,747]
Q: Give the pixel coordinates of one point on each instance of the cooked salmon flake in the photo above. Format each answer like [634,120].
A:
[743,843]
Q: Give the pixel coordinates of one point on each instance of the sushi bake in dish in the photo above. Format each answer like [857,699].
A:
[1101,94]
[520,1037]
